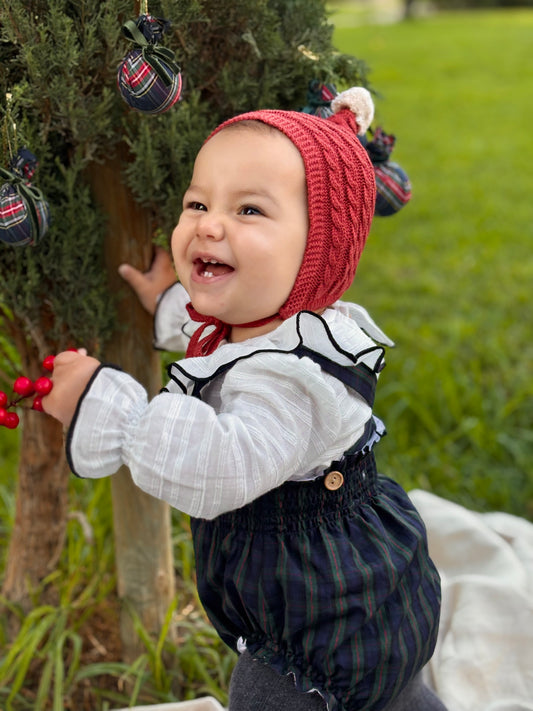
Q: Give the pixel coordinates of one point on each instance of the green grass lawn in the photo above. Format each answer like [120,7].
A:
[449,277]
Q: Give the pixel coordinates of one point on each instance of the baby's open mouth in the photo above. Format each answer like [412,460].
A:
[211,268]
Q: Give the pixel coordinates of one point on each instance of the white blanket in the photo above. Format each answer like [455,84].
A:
[484,655]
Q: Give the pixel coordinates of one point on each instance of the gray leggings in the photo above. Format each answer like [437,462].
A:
[256,687]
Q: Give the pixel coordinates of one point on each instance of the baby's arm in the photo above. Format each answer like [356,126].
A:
[276,418]
[149,285]
[162,296]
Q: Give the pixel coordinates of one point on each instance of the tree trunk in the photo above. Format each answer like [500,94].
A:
[41,510]
[142,528]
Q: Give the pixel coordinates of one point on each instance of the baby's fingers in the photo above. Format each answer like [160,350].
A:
[70,376]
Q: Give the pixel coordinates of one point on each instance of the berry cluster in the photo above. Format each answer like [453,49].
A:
[23,387]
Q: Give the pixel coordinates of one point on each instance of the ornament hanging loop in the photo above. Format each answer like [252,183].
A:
[140,7]
[9,129]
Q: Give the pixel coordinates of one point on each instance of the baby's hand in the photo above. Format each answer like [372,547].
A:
[148,285]
[72,371]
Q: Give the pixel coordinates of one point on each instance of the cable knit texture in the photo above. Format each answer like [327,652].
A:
[341,194]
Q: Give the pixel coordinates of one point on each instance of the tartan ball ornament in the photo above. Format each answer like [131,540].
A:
[148,78]
[143,89]
[393,188]
[24,213]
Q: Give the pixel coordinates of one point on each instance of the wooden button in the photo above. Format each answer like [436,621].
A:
[333,481]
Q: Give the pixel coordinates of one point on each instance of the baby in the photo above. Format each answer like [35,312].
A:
[310,564]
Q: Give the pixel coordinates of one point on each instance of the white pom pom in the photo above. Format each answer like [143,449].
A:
[359,101]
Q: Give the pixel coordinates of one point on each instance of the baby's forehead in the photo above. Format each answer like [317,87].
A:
[251,125]
[251,128]
[233,164]
[253,144]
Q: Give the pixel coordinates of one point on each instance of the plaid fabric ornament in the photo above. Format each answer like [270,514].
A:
[319,98]
[24,213]
[148,78]
[380,147]
[393,187]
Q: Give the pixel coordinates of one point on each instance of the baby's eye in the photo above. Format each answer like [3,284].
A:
[250,210]
[194,205]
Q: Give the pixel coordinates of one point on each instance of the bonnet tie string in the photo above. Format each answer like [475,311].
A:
[202,345]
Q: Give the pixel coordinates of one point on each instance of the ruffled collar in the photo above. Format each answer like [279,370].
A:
[345,334]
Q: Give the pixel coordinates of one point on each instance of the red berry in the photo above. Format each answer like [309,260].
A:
[3,415]
[3,399]
[37,403]
[23,386]
[43,385]
[48,363]
[11,420]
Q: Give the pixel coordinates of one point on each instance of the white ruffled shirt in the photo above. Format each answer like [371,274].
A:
[271,417]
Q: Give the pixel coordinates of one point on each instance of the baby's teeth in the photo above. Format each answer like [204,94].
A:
[208,274]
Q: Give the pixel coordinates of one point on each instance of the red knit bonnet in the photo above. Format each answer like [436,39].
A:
[341,195]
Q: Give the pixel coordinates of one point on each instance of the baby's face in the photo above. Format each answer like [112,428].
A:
[240,240]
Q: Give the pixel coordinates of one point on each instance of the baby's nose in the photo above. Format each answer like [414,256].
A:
[211,226]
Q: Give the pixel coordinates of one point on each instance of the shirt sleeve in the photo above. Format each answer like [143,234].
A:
[273,417]
[172,325]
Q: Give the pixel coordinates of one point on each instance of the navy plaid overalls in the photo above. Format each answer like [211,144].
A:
[332,584]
